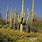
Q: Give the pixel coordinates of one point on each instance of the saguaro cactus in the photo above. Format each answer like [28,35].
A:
[21,25]
[33,13]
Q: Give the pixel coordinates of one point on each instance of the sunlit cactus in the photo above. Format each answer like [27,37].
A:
[33,13]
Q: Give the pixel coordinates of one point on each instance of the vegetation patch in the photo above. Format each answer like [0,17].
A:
[11,35]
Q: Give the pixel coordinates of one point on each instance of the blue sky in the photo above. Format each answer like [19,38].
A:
[18,5]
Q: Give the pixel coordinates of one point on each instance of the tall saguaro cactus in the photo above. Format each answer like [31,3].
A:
[32,10]
[21,26]
[22,8]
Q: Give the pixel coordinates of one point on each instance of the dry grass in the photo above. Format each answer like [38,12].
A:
[18,36]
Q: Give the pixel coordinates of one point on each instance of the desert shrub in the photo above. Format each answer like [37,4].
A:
[11,35]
